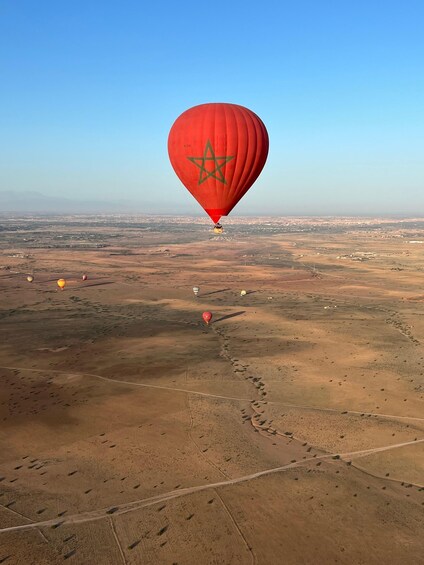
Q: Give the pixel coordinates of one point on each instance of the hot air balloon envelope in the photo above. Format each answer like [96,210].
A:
[30,278]
[218,151]
[196,290]
[61,283]
[243,293]
[84,277]
[207,317]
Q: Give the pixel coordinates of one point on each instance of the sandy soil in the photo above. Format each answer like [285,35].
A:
[291,430]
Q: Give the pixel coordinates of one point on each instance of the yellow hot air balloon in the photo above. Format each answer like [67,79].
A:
[61,283]
[243,293]
[30,278]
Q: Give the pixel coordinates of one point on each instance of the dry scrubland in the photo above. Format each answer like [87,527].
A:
[290,431]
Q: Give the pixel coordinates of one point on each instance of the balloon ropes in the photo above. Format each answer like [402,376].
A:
[218,151]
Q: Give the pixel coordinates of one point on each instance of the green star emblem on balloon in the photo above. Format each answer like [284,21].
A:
[210,165]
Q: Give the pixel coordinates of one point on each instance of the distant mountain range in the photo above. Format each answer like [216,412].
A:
[32,202]
[35,202]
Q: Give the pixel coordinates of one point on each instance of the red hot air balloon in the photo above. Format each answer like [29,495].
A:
[218,151]
[207,317]
[84,277]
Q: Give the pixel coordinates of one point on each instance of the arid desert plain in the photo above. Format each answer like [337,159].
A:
[289,431]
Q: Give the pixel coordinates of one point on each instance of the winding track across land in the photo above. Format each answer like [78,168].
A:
[103,513]
[210,395]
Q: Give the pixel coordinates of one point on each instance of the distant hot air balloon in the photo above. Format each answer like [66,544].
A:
[61,283]
[84,277]
[30,278]
[196,290]
[218,151]
[243,293]
[207,317]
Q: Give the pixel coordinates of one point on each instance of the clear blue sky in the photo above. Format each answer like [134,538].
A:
[89,90]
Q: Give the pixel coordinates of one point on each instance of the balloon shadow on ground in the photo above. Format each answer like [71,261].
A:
[67,279]
[214,292]
[228,316]
[251,292]
[97,284]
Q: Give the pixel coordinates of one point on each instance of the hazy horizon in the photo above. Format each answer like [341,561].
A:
[34,202]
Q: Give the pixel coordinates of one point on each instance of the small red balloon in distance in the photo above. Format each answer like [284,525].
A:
[84,277]
[207,317]
[218,151]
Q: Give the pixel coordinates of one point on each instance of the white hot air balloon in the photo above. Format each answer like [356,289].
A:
[243,293]
[196,290]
